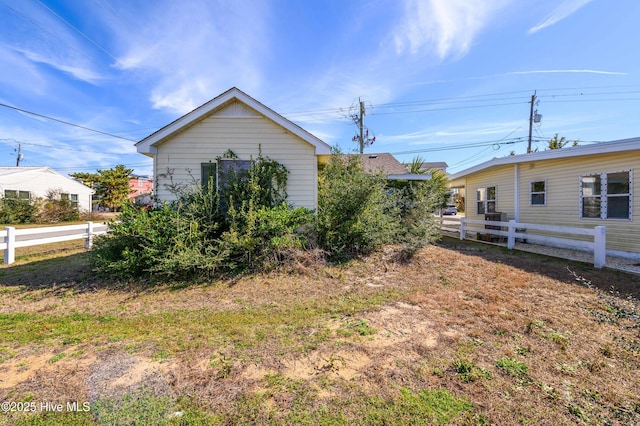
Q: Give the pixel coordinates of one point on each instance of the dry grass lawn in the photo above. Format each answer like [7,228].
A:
[493,336]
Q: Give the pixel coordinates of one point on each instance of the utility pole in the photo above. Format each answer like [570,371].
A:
[19,156]
[533,101]
[361,126]
[362,138]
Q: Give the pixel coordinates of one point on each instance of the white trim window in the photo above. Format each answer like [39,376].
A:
[15,194]
[606,195]
[538,193]
[486,200]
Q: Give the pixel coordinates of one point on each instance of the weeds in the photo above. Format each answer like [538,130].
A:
[469,372]
[360,327]
[286,348]
[512,367]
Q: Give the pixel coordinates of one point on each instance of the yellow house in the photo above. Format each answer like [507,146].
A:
[582,186]
[187,150]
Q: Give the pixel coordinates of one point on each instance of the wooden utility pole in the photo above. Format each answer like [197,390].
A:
[19,156]
[362,137]
[533,101]
[361,125]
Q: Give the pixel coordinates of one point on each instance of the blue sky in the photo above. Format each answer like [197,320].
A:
[449,80]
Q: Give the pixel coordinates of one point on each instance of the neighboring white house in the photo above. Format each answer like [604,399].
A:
[188,150]
[36,182]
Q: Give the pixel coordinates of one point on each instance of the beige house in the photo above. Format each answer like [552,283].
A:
[189,149]
[582,186]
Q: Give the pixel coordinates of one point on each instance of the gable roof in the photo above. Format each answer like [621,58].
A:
[8,171]
[384,163]
[623,145]
[148,144]
[12,171]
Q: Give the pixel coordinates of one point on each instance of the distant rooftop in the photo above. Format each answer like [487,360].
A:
[384,163]
[439,165]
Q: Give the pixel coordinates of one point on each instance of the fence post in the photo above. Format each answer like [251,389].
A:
[10,240]
[463,228]
[599,246]
[511,237]
[89,241]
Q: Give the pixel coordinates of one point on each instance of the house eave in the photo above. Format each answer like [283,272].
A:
[623,145]
[409,176]
[148,145]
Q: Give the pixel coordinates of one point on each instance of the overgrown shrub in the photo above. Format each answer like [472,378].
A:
[356,214]
[137,241]
[58,208]
[55,207]
[418,200]
[264,237]
[17,211]
[244,225]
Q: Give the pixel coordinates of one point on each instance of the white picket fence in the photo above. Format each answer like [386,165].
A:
[595,242]
[12,238]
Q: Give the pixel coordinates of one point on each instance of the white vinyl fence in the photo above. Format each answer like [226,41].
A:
[586,239]
[12,238]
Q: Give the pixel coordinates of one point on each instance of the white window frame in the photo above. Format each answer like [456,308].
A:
[532,193]
[19,194]
[604,196]
[485,199]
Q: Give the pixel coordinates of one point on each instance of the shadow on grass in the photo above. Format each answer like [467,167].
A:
[62,273]
[74,272]
[607,280]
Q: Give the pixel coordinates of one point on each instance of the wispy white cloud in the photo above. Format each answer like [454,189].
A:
[565,71]
[77,68]
[562,11]
[513,73]
[455,133]
[40,37]
[191,51]
[448,27]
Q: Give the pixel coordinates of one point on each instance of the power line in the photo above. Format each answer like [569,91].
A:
[446,109]
[464,146]
[49,33]
[68,149]
[65,122]
[77,30]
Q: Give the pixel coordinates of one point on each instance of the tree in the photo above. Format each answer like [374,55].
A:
[559,143]
[112,185]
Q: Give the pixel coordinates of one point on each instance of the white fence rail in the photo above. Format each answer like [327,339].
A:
[596,237]
[12,238]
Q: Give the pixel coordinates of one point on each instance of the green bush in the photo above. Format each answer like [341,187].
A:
[58,208]
[137,241]
[417,201]
[245,225]
[356,212]
[16,211]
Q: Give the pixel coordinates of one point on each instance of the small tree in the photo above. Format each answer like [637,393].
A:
[559,143]
[111,186]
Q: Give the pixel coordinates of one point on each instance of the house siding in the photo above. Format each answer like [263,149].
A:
[562,184]
[562,178]
[213,136]
[40,180]
[502,179]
